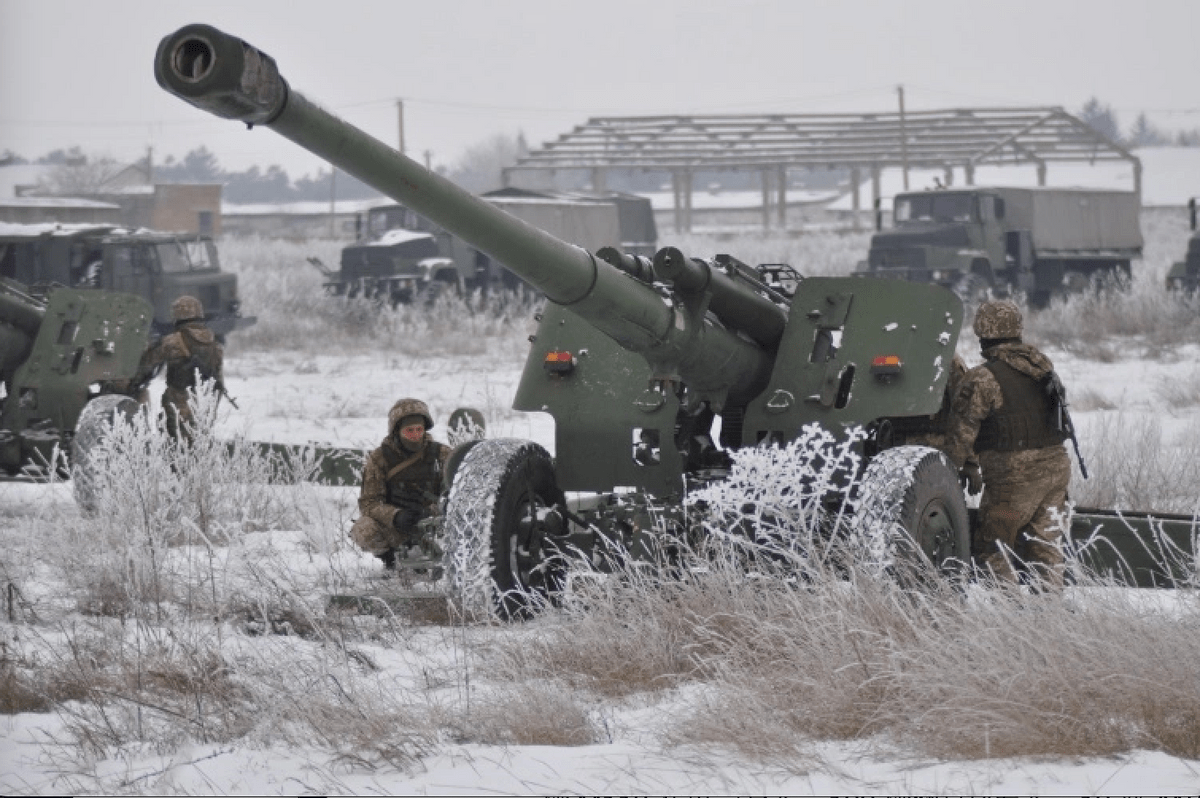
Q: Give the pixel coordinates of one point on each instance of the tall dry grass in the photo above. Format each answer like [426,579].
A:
[295,313]
[192,606]
[773,663]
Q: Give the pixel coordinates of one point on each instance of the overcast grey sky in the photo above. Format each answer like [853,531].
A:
[74,72]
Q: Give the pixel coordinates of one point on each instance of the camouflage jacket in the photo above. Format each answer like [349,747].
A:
[979,397]
[191,348]
[391,472]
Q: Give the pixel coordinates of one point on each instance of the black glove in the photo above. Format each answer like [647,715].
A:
[971,478]
[406,519]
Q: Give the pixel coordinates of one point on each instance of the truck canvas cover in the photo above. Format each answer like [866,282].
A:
[1074,219]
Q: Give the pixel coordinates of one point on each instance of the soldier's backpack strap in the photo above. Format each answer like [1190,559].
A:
[396,469]
[195,361]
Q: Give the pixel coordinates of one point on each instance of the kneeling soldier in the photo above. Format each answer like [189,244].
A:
[402,480]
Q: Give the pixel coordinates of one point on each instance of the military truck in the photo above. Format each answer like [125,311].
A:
[654,370]
[1042,241]
[400,255]
[58,355]
[158,266]
[1184,275]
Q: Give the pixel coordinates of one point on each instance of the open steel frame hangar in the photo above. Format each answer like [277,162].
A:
[772,144]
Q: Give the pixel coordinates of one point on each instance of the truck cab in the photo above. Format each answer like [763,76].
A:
[954,238]
[158,266]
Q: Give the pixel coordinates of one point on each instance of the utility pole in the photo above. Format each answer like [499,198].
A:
[429,160]
[903,137]
[400,121]
[149,165]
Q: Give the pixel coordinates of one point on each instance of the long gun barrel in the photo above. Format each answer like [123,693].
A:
[225,76]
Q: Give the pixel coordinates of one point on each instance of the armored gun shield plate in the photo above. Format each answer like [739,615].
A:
[857,350]
[86,338]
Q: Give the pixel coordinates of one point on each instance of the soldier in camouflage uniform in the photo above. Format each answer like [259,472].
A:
[402,480]
[1003,414]
[190,350]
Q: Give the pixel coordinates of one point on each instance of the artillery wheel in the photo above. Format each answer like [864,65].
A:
[911,509]
[495,561]
[95,421]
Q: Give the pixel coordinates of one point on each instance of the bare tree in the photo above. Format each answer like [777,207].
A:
[479,169]
[1145,134]
[80,175]
[1102,119]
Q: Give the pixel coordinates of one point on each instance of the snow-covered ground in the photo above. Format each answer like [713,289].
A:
[343,401]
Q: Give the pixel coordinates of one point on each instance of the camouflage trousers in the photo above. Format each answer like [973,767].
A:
[179,420]
[1015,513]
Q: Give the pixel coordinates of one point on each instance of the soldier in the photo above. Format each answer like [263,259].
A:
[190,350]
[401,483]
[1002,413]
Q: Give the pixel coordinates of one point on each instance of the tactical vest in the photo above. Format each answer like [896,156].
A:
[423,475]
[204,356]
[1024,420]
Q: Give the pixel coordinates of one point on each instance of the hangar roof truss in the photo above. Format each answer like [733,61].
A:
[956,137]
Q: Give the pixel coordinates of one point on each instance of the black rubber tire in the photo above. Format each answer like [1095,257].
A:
[493,562]
[95,421]
[911,495]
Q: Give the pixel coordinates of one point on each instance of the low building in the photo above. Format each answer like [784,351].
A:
[64,210]
[126,198]
[298,221]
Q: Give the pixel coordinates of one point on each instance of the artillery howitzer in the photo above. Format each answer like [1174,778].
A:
[57,357]
[636,358]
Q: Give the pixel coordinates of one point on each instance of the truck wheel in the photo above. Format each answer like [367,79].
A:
[496,561]
[95,421]
[912,514]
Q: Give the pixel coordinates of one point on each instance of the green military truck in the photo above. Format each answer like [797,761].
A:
[160,267]
[1184,275]
[400,255]
[1042,241]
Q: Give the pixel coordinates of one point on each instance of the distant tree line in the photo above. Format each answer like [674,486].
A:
[479,169]
[1143,133]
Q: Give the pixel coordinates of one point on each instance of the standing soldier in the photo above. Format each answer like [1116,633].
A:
[402,480]
[190,351]
[1004,412]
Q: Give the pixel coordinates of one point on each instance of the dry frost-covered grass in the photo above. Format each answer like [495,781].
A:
[191,607]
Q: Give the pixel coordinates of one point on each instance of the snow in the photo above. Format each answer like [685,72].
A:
[398,236]
[737,200]
[1170,175]
[344,400]
[305,208]
[619,768]
[51,228]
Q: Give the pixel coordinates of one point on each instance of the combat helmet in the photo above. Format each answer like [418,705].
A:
[998,320]
[187,308]
[408,407]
